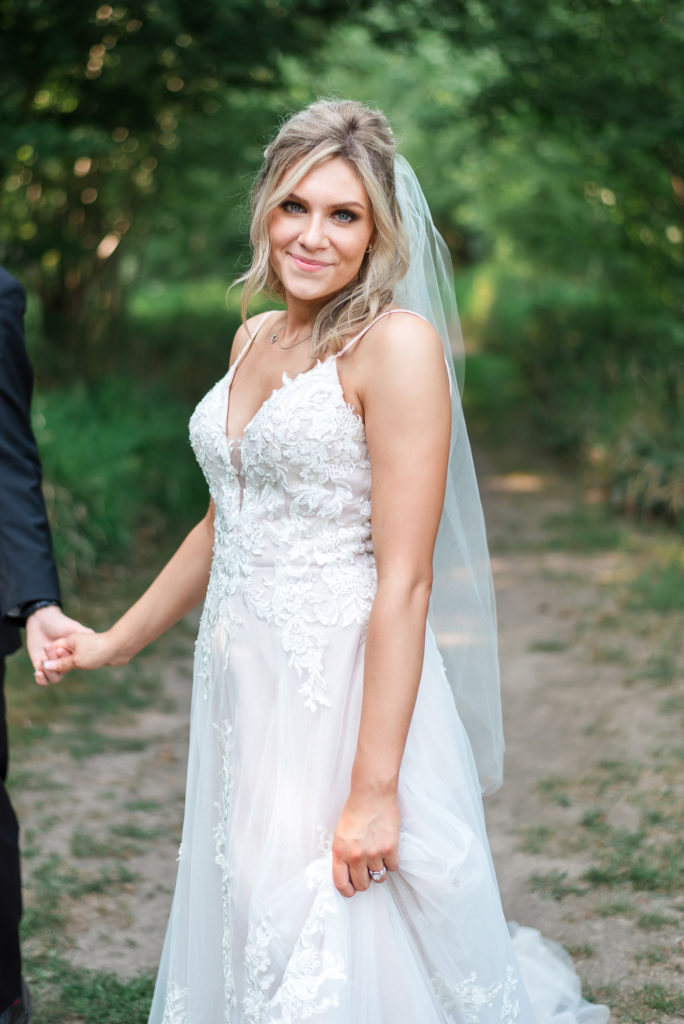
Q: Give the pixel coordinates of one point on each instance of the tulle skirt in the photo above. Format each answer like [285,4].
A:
[258,934]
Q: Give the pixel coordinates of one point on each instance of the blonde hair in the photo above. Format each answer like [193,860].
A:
[362,137]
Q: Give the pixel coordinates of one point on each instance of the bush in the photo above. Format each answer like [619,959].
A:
[117,467]
[606,377]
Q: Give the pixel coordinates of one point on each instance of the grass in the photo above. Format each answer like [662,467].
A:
[554,885]
[654,921]
[581,951]
[639,1005]
[654,955]
[85,846]
[86,716]
[615,908]
[610,655]
[63,992]
[629,874]
[129,830]
[548,646]
[647,858]
[555,789]
[73,715]
[661,668]
[535,838]
[60,990]
[586,530]
[660,587]
[103,880]
[637,860]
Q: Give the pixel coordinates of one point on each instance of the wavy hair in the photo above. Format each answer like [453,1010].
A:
[362,137]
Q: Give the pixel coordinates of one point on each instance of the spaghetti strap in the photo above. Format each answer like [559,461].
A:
[387,312]
[251,337]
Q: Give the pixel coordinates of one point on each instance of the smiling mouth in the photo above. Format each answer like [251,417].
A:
[307,264]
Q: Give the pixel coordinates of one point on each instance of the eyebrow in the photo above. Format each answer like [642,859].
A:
[333,206]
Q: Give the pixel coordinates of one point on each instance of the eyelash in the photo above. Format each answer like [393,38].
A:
[288,205]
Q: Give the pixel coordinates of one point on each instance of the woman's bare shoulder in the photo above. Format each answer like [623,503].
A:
[402,338]
[246,331]
[399,362]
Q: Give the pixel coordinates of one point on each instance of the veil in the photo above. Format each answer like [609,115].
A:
[462,609]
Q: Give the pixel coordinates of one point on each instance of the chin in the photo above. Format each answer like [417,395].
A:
[312,291]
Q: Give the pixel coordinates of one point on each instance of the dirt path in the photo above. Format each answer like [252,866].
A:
[584,831]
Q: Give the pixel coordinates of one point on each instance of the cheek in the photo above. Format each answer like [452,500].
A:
[354,248]
[277,230]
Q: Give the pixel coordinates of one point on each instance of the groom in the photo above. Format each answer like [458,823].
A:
[29,595]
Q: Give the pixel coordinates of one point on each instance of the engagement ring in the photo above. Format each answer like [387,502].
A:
[377,876]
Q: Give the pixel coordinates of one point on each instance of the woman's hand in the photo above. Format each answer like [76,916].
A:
[82,650]
[366,837]
[43,627]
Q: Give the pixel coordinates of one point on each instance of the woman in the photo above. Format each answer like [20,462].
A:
[327,756]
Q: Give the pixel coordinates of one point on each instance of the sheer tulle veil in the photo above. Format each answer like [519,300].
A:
[462,608]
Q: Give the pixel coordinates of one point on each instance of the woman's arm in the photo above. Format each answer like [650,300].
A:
[404,390]
[178,588]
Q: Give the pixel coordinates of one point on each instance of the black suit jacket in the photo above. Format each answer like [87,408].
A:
[27,568]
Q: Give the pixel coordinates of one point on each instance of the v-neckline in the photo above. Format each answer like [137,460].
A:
[286,380]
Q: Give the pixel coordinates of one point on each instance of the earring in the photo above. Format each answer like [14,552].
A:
[369,250]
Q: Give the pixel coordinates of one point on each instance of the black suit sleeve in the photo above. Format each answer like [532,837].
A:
[27,568]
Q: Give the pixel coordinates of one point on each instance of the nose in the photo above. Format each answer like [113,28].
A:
[313,234]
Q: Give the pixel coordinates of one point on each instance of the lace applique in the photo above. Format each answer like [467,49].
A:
[174,1007]
[291,511]
[311,980]
[466,1000]
[221,837]
[257,977]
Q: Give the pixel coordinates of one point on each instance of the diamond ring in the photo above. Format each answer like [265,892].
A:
[377,876]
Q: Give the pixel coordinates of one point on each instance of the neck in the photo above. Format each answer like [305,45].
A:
[300,317]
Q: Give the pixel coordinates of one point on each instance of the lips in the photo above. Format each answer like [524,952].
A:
[304,263]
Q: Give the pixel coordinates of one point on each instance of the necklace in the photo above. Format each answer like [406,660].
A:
[275,340]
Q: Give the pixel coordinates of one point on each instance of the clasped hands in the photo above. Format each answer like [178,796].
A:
[44,628]
[80,648]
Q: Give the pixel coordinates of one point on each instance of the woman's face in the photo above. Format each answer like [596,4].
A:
[320,233]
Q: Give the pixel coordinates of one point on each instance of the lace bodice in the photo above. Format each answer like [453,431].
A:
[292,524]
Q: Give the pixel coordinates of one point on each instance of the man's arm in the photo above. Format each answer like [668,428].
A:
[27,568]
[29,587]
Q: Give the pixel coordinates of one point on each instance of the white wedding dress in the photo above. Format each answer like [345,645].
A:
[258,934]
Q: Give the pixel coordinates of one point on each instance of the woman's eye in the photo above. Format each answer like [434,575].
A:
[291,207]
[345,216]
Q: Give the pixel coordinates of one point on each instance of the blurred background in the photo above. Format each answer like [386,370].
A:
[549,139]
[548,136]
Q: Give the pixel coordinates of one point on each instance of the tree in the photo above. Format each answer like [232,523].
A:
[93,102]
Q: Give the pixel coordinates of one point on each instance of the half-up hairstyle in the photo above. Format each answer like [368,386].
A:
[362,137]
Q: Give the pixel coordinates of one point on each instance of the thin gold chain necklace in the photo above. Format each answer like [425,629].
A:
[275,339]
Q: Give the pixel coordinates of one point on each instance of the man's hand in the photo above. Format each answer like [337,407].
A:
[42,627]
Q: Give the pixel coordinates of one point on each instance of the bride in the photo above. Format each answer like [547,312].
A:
[334,865]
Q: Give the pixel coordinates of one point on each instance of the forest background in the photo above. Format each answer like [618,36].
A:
[549,138]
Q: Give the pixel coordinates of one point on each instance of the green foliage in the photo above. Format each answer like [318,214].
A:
[96,101]
[117,466]
[179,332]
[606,372]
[549,138]
[549,142]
